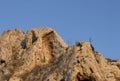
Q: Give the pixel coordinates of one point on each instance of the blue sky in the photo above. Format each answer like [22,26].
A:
[74,20]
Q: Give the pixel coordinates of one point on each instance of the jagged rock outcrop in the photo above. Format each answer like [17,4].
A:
[42,55]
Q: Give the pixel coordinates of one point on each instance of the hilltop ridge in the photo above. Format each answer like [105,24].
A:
[42,55]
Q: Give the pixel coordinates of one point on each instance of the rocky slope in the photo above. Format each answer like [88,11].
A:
[41,55]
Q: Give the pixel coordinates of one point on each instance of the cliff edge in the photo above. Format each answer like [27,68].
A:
[42,55]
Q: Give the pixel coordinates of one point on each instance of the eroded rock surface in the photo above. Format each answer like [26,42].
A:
[42,55]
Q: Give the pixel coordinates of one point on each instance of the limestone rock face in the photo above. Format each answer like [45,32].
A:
[42,55]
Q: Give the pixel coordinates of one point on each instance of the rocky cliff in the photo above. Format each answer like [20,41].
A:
[42,55]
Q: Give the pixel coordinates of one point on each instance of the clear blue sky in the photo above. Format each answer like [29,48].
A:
[74,20]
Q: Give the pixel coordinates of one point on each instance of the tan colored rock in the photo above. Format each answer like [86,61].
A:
[42,55]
